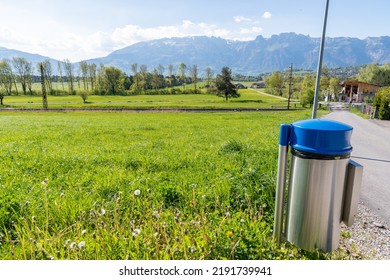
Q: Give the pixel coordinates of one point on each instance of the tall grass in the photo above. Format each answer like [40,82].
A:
[140,186]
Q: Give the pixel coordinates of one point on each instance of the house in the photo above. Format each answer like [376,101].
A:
[355,91]
[260,84]
[239,86]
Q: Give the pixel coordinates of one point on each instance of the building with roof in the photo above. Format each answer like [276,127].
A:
[355,91]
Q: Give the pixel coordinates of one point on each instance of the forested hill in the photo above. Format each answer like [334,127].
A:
[261,55]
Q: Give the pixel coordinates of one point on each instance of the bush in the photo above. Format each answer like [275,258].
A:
[382,103]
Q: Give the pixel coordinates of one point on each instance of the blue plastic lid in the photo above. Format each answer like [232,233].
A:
[320,136]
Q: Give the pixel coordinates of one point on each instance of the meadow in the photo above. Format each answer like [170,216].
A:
[162,186]
[250,99]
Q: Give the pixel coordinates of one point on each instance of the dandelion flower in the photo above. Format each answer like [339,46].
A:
[229,233]
[137,192]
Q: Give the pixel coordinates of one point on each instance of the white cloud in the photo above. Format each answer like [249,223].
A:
[76,47]
[131,34]
[241,19]
[252,30]
[267,15]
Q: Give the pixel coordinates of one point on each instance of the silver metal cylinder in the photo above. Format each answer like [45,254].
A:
[315,202]
[280,191]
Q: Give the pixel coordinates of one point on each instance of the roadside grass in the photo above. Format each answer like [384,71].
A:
[160,186]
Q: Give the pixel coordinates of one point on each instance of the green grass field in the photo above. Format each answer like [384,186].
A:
[160,186]
[249,99]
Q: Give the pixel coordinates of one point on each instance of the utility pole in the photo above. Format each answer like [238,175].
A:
[289,87]
[315,103]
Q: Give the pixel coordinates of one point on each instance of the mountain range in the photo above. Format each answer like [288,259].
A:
[254,57]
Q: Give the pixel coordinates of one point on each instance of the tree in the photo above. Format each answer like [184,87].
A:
[374,74]
[155,79]
[61,78]
[275,83]
[382,103]
[113,80]
[306,97]
[92,74]
[47,72]
[6,79]
[42,71]
[170,75]
[209,75]
[224,85]
[136,86]
[24,72]
[69,75]
[194,75]
[334,86]
[84,73]
[144,82]
[182,73]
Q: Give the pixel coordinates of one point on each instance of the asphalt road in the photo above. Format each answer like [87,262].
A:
[371,148]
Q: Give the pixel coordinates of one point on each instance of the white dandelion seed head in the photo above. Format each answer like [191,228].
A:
[72,245]
[81,244]
[137,192]
[45,181]
[136,232]
[102,211]
[156,214]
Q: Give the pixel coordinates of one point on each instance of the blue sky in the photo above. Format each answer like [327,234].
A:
[82,29]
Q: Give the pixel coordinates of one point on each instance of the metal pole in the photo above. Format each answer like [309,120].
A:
[281,181]
[315,103]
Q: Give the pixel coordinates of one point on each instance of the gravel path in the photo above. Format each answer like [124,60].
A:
[368,238]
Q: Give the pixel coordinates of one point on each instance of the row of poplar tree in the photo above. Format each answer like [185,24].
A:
[90,77]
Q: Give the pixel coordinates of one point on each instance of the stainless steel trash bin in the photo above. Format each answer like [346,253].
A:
[321,193]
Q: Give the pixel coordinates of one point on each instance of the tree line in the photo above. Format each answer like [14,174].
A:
[303,86]
[89,78]
[293,85]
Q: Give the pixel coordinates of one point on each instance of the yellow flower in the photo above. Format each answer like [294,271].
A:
[229,233]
